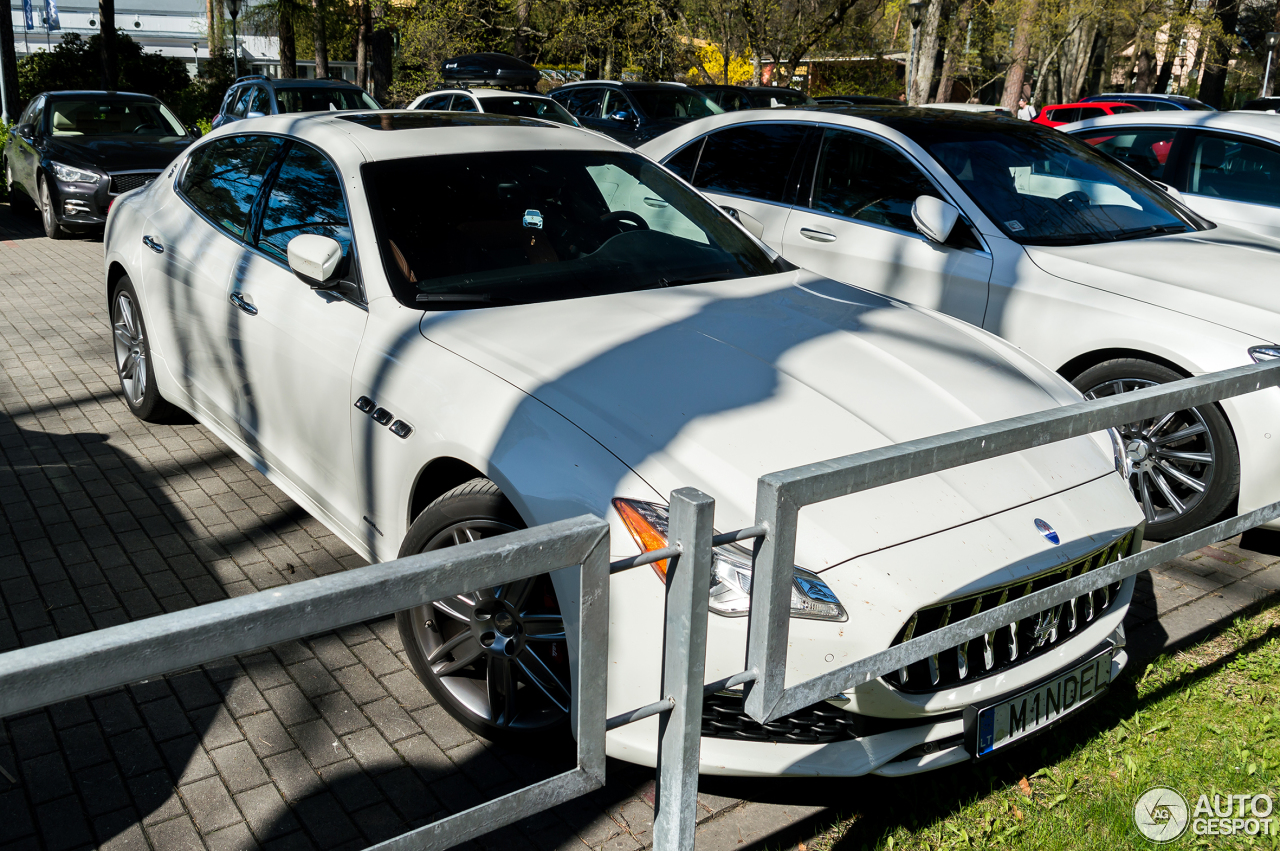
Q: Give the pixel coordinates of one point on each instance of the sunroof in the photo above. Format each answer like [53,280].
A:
[417,120]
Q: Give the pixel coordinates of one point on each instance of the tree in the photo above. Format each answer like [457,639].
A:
[107,51]
[1218,51]
[9,69]
[320,39]
[1015,81]
[70,65]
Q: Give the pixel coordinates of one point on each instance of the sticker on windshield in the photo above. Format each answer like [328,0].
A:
[533,219]
[1013,224]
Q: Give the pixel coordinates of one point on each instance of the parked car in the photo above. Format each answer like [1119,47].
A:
[1224,165]
[498,101]
[1032,235]
[1058,114]
[858,100]
[257,95]
[633,112]
[567,328]
[730,98]
[1151,102]
[1267,104]
[980,108]
[72,153]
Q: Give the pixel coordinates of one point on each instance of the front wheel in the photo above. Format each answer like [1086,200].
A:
[496,658]
[48,216]
[1185,464]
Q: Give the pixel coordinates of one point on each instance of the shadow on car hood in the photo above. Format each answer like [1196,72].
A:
[1224,275]
[117,153]
[714,385]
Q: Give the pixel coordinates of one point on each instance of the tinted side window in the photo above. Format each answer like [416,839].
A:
[1157,106]
[1235,170]
[242,97]
[261,101]
[584,102]
[1144,151]
[37,117]
[1090,112]
[686,160]
[753,160]
[863,178]
[224,176]
[462,103]
[305,198]
[440,102]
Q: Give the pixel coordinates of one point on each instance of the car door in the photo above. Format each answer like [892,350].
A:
[856,227]
[194,242]
[294,346]
[27,162]
[750,170]
[1232,179]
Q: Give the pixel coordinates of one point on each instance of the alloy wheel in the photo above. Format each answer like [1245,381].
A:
[131,349]
[500,652]
[1171,457]
[46,208]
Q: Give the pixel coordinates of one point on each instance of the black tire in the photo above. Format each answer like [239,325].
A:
[132,352]
[1186,464]
[472,652]
[48,216]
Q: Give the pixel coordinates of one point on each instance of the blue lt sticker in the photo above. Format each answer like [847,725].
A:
[533,219]
[1047,530]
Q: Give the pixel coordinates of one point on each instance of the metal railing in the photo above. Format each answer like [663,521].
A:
[47,673]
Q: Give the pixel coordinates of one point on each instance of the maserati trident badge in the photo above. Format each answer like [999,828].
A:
[1047,530]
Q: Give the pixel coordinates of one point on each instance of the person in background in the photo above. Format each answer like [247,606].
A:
[1025,110]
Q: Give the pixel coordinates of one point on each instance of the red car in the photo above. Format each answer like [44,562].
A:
[1065,113]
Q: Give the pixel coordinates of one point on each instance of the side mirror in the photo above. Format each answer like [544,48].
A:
[26,131]
[254,114]
[621,115]
[315,259]
[934,217]
[1172,192]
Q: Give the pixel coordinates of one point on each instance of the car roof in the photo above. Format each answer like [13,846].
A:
[355,136]
[1086,103]
[274,82]
[98,92]
[1256,123]
[623,84]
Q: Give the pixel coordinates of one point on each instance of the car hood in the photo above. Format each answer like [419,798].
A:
[715,385]
[117,153]
[1224,275]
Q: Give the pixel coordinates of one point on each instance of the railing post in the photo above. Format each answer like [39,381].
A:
[770,619]
[684,662]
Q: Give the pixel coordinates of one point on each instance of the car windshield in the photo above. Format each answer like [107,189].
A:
[1042,187]
[321,99]
[113,117]
[529,107]
[674,103]
[487,229]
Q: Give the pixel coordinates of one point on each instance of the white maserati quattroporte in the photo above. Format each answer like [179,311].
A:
[429,328]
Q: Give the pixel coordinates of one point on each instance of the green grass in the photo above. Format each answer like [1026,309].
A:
[1204,720]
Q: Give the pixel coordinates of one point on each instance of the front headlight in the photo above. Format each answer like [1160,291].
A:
[730,569]
[1261,353]
[67,174]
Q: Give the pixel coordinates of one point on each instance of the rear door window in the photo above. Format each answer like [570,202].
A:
[242,98]
[463,103]
[863,178]
[584,102]
[1090,112]
[1234,169]
[753,160]
[223,178]
[436,102]
[1146,151]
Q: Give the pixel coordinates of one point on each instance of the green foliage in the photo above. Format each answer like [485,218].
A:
[878,77]
[74,63]
[198,102]
[5,127]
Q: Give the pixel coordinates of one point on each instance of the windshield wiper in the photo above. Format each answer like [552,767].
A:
[1153,230]
[446,300]
[680,282]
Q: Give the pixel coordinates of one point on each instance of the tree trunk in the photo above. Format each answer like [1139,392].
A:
[926,54]
[288,45]
[363,26]
[321,40]
[1144,72]
[1271,84]
[107,43]
[1218,54]
[382,47]
[955,46]
[520,42]
[9,70]
[1015,79]
[1076,60]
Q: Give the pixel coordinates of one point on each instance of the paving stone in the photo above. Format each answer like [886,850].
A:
[156,797]
[293,775]
[325,821]
[62,825]
[360,684]
[234,838]
[239,767]
[318,743]
[379,822]
[120,831]
[425,757]
[177,834]
[165,719]
[312,678]
[210,805]
[392,722]
[348,782]
[45,778]
[341,713]
[408,690]
[442,728]
[103,789]
[265,734]
[290,704]
[135,752]
[377,658]
[266,812]
[187,760]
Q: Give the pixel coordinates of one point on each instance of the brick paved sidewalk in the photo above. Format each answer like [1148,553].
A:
[326,743]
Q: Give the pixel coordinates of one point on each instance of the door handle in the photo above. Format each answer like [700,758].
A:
[150,242]
[239,301]
[817,235]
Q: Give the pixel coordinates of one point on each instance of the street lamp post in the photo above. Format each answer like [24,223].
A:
[915,13]
[233,9]
[195,48]
[1272,40]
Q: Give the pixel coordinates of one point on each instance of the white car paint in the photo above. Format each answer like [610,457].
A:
[568,404]
[1198,300]
[1256,128]
[478,96]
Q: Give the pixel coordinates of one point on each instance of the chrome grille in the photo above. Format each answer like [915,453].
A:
[121,183]
[1013,643]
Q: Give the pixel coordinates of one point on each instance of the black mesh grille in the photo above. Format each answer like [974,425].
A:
[1014,643]
[125,182]
[723,718]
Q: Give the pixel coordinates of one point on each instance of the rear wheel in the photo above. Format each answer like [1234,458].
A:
[1186,466]
[133,359]
[494,658]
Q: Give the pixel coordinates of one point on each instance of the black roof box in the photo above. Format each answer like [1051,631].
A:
[489,69]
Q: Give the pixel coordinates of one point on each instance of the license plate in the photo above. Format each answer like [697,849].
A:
[995,725]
